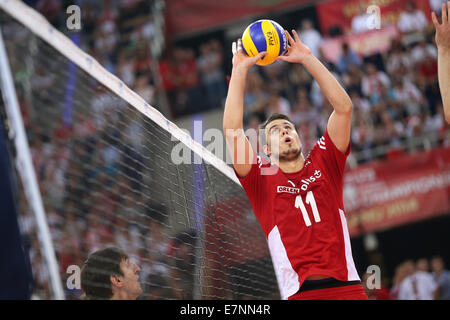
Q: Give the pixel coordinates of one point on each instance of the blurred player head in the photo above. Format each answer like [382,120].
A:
[437,265]
[282,141]
[109,274]
[422,265]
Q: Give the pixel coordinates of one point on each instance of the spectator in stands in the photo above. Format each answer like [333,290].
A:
[145,89]
[303,111]
[170,79]
[348,57]
[106,33]
[435,123]
[408,95]
[399,275]
[359,102]
[374,82]
[190,98]
[210,64]
[143,62]
[352,79]
[442,278]
[310,37]
[423,51]
[125,67]
[412,19]
[278,104]
[397,57]
[256,96]
[419,285]
[363,21]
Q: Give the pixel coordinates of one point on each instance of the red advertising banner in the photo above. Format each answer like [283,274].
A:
[406,189]
[341,12]
[188,16]
[365,44]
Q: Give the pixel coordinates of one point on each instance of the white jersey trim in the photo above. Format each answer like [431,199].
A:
[287,278]
[351,269]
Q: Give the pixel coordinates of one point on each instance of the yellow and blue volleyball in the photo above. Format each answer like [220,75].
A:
[264,35]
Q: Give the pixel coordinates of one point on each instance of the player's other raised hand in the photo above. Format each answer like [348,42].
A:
[240,59]
[442,29]
[297,51]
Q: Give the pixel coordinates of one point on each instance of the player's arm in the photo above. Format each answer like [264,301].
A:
[443,46]
[339,123]
[237,143]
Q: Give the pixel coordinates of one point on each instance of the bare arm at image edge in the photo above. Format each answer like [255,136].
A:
[443,46]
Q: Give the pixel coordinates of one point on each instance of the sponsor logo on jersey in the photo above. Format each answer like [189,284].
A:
[306,182]
[321,143]
[284,189]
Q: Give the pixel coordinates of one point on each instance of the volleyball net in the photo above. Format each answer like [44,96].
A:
[102,165]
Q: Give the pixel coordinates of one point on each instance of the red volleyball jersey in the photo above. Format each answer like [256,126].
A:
[302,216]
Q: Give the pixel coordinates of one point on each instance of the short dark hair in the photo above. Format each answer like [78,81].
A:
[274,116]
[97,270]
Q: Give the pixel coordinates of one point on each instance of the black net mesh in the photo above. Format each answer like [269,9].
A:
[106,178]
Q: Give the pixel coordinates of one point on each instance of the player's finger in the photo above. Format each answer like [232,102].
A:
[448,14]
[260,55]
[434,19]
[233,48]
[282,58]
[239,44]
[297,38]
[290,39]
[444,13]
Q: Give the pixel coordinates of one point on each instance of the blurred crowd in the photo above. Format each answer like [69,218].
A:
[91,180]
[395,96]
[397,104]
[423,279]
[90,166]
[395,93]
[118,34]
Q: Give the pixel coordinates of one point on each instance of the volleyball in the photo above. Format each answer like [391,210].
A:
[264,35]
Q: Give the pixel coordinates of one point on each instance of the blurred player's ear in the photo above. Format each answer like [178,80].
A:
[116,280]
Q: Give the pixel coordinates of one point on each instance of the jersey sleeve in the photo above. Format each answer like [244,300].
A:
[332,158]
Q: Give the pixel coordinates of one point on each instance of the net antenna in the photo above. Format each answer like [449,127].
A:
[26,170]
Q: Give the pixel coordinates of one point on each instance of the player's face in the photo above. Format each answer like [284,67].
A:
[282,140]
[131,284]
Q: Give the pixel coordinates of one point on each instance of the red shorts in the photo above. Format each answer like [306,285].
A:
[351,292]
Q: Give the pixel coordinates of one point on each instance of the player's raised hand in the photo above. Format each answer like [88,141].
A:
[241,60]
[442,29]
[297,51]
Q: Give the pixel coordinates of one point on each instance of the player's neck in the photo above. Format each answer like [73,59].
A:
[121,295]
[290,166]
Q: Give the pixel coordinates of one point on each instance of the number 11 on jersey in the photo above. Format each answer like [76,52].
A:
[312,202]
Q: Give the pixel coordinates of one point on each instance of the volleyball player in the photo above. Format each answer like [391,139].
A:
[443,46]
[108,274]
[298,204]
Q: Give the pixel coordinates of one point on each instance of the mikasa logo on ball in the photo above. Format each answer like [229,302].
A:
[270,39]
[264,35]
